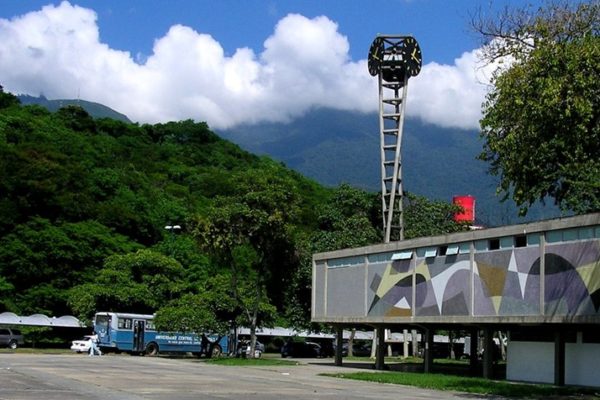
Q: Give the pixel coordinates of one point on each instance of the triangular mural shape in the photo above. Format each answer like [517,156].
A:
[493,278]
[496,301]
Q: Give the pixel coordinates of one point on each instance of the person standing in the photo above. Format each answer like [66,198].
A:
[93,345]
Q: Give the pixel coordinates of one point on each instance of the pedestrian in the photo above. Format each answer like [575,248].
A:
[93,345]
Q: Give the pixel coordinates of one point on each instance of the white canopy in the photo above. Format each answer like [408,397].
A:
[8,318]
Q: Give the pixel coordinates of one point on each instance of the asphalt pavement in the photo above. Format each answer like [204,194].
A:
[111,377]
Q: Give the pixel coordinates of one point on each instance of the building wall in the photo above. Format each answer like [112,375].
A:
[543,274]
[530,362]
[534,362]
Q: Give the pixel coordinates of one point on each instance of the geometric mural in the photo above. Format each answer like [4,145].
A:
[504,282]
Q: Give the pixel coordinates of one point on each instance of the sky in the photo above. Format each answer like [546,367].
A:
[236,62]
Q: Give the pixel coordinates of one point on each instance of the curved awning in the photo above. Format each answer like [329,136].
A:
[69,321]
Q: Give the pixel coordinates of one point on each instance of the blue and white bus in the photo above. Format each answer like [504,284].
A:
[136,334]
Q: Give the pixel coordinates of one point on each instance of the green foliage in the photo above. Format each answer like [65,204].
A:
[423,217]
[541,121]
[136,282]
[40,261]
[84,203]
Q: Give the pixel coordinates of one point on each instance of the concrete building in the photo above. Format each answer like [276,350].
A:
[538,281]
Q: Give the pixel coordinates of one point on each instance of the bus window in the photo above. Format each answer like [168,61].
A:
[150,325]
[124,323]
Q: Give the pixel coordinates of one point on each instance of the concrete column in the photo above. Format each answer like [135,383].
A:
[339,343]
[488,353]
[405,343]
[428,351]
[380,353]
[473,348]
[559,358]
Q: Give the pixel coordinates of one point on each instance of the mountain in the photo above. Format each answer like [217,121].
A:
[333,146]
[96,110]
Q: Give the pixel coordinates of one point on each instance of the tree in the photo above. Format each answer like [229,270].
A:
[541,120]
[424,217]
[249,233]
[137,282]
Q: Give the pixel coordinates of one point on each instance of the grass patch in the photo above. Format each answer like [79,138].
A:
[250,361]
[466,384]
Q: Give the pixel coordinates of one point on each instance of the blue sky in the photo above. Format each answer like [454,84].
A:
[229,62]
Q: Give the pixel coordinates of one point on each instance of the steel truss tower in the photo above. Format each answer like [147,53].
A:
[393,59]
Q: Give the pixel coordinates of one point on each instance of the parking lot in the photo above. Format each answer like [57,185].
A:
[76,376]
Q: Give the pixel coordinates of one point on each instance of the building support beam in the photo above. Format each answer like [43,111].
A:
[428,351]
[473,348]
[339,343]
[559,358]
[488,353]
[380,353]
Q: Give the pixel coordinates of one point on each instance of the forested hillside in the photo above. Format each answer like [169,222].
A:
[84,204]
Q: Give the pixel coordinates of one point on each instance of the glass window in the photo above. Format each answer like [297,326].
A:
[533,239]
[379,258]
[570,234]
[554,236]
[346,262]
[452,250]
[464,248]
[124,323]
[150,325]
[403,255]
[586,233]
[506,242]
[481,245]
[431,252]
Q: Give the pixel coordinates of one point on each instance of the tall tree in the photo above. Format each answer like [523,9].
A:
[541,122]
[249,233]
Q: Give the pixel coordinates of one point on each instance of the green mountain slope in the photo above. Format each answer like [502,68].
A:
[96,110]
[333,146]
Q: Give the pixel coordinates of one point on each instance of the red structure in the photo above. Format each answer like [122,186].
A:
[467,203]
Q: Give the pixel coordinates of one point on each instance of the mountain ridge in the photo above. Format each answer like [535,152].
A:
[334,147]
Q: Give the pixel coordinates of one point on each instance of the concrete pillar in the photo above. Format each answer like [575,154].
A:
[559,358]
[339,343]
[380,354]
[474,348]
[488,353]
[428,351]
[405,343]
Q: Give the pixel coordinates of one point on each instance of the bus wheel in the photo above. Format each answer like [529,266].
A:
[152,349]
[216,351]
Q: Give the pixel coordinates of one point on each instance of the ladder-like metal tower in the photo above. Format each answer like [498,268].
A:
[392,101]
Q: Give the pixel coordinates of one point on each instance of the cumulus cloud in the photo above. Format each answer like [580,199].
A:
[305,64]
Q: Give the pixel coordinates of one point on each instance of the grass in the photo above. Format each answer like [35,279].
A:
[251,361]
[467,384]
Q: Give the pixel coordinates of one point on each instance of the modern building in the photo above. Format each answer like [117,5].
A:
[538,281]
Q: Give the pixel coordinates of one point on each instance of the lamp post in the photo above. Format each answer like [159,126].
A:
[173,229]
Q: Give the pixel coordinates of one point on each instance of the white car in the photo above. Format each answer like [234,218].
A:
[82,345]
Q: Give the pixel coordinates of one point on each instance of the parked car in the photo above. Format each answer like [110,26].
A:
[11,338]
[301,349]
[82,345]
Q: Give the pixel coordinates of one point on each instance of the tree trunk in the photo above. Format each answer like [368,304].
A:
[351,342]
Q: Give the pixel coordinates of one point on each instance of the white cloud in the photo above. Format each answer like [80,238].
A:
[305,64]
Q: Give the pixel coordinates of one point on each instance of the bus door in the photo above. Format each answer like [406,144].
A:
[139,328]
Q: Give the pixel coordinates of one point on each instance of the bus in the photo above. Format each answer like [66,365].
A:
[136,334]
